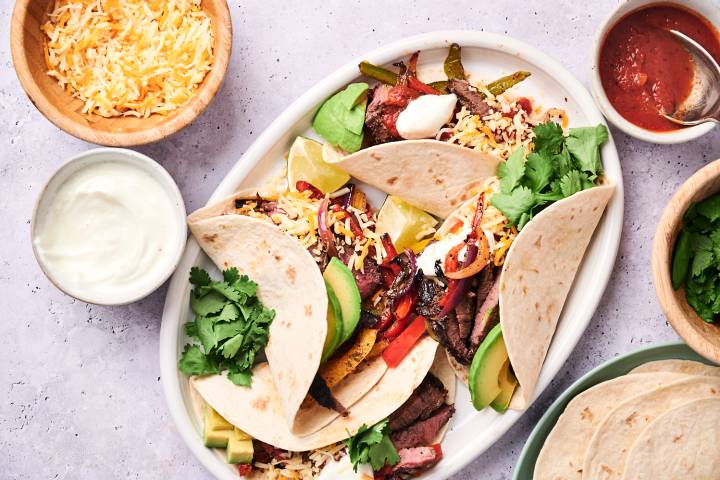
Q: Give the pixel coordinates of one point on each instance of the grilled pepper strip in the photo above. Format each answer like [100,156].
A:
[504,83]
[453,63]
[378,73]
[337,368]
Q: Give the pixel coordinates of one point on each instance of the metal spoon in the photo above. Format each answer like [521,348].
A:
[703,103]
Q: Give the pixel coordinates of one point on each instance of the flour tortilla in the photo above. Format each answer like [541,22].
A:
[432,175]
[687,367]
[290,283]
[308,416]
[226,206]
[683,443]
[536,278]
[258,411]
[561,457]
[606,456]
[443,371]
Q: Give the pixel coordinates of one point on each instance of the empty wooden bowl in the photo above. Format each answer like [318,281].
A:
[26,43]
[702,337]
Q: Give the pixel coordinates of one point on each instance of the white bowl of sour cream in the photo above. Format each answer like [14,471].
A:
[109,226]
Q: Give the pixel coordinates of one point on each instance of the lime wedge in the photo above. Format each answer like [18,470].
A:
[406,225]
[305,162]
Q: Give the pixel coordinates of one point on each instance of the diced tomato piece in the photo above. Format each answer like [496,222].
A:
[245,469]
[525,104]
[401,346]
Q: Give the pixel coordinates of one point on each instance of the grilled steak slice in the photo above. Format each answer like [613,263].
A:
[488,315]
[469,96]
[423,432]
[452,341]
[415,460]
[369,279]
[426,398]
[464,312]
[429,295]
[385,106]
[264,452]
[320,392]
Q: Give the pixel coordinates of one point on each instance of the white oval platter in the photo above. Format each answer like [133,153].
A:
[485,56]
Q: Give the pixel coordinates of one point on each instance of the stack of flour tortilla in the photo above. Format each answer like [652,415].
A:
[661,421]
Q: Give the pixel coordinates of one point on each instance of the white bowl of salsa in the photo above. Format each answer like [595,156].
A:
[638,69]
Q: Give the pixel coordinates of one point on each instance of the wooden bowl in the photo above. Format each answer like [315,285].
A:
[58,106]
[702,337]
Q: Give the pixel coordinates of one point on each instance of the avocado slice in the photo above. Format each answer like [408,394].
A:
[214,421]
[216,430]
[239,448]
[508,384]
[335,324]
[484,375]
[342,281]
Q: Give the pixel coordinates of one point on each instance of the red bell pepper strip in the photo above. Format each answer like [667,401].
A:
[389,248]
[354,226]
[302,186]
[395,329]
[405,304]
[416,84]
[401,346]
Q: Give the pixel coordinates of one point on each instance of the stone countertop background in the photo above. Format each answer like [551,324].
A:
[80,384]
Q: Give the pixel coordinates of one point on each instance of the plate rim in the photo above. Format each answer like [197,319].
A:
[177,290]
[594,376]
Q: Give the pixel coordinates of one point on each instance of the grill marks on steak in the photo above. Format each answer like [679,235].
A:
[415,425]
[462,330]
[426,398]
[469,96]
[386,103]
[368,279]
[423,432]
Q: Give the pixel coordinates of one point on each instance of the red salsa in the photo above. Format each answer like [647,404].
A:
[644,70]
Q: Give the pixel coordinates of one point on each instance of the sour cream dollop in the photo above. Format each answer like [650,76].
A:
[343,470]
[109,232]
[425,115]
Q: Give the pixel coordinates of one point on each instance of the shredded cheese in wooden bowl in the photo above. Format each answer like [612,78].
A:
[129,57]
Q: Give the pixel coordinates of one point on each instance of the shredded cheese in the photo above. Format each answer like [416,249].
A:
[129,57]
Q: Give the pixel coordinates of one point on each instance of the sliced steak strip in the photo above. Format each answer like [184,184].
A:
[369,279]
[469,96]
[423,432]
[422,403]
[484,323]
[386,103]
[453,342]
[415,460]
[464,312]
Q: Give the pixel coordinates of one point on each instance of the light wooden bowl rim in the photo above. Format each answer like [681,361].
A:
[702,337]
[180,118]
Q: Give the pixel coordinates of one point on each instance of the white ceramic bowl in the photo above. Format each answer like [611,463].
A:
[707,9]
[135,159]
[488,56]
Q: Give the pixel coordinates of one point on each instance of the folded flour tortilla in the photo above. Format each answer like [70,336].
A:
[536,278]
[258,410]
[432,175]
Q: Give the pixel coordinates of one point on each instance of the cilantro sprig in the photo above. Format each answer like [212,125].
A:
[696,261]
[231,325]
[558,166]
[372,445]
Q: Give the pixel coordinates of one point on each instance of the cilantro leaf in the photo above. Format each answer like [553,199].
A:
[514,204]
[372,445]
[584,146]
[571,183]
[511,171]
[538,172]
[194,362]
[548,138]
[199,277]
[231,324]
[709,208]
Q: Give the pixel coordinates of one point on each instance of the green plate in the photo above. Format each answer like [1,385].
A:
[611,369]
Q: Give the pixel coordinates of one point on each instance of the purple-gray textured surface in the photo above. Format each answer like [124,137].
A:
[80,384]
